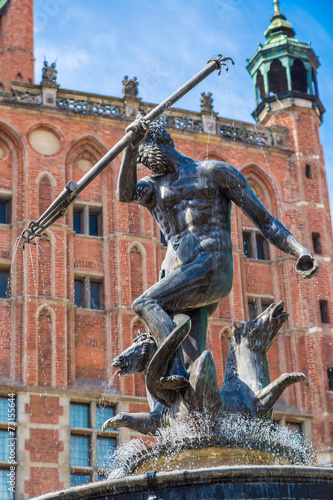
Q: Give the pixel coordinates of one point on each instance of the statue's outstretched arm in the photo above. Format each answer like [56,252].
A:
[236,187]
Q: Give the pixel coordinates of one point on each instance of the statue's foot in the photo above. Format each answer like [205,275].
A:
[174,382]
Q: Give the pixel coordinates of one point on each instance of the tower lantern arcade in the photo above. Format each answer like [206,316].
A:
[284,70]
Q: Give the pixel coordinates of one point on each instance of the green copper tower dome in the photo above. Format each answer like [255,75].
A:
[284,70]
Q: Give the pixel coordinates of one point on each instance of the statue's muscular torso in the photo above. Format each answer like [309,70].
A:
[193,214]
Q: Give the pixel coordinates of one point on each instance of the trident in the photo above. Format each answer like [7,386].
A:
[60,206]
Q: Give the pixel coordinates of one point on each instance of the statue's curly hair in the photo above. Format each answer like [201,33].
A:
[158,134]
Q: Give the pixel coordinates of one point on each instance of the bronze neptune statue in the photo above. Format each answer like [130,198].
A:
[191,202]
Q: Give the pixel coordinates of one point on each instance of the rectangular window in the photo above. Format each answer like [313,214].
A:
[330,378]
[79,415]
[80,446]
[257,305]
[265,304]
[308,173]
[255,245]
[4,284]
[78,221]
[6,408]
[247,245]
[88,293]
[295,426]
[79,293]
[316,243]
[93,224]
[95,295]
[324,315]
[4,211]
[91,448]
[252,310]
[5,494]
[103,413]
[261,247]
[87,220]
[105,449]
[5,440]
[78,479]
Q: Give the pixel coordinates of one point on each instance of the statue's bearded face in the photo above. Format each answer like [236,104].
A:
[155,156]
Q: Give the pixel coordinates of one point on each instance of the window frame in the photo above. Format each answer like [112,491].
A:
[6,198]
[258,301]
[253,235]
[324,312]
[283,419]
[88,280]
[330,378]
[316,243]
[6,271]
[93,471]
[87,209]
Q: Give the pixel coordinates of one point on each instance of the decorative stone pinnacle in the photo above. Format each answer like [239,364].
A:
[276,6]
[206,102]
[130,87]
[49,73]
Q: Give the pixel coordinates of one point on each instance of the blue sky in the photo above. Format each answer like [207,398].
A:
[164,43]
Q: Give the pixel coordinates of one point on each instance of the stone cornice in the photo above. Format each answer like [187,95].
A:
[191,123]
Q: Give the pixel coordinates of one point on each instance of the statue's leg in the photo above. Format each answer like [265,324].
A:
[195,342]
[192,286]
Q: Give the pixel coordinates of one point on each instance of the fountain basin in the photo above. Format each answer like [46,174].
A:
[212,456]
[247,482]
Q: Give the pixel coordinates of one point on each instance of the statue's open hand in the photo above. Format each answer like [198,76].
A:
[140,128]
[307,266]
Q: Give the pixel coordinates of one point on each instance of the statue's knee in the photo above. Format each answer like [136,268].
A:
[142,303]
[138,305]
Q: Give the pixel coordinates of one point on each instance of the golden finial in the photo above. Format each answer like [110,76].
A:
[276,6]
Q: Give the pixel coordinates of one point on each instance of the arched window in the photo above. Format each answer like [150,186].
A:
[255,246]
[136,267]
[314,80]
[260,86]
[298,76]
[18,78]
[139,380]
[277,78]
[44,346]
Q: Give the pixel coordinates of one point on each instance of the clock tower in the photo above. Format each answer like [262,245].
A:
[16,42]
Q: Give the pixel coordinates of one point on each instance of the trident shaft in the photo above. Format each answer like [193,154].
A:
[60,206]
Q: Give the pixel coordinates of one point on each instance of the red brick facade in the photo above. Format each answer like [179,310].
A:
[54,352]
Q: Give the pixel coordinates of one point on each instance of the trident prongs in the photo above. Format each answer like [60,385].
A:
[30,233]
[221,61]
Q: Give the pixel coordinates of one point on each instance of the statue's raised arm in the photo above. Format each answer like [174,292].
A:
[129,190]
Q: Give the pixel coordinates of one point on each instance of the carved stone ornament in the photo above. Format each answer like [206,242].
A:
[49,73]
[130,86]
[206,102]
